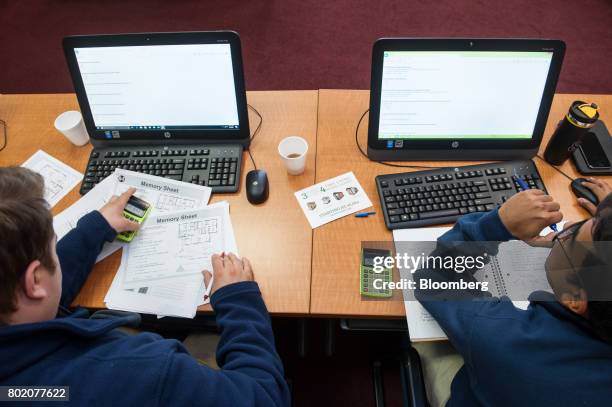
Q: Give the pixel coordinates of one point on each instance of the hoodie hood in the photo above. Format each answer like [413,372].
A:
[24,339]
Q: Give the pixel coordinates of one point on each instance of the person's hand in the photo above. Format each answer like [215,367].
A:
[528,212]
[228,269]
[601,190]
[113,212]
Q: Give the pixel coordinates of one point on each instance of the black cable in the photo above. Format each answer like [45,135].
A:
[5,133]
[254,133]
[553,167]
[383,162]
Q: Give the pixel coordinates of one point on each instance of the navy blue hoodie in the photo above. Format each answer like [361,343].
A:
[104,366]
[543,356]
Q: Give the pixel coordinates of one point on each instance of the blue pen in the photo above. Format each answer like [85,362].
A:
[365,214]
[525,187]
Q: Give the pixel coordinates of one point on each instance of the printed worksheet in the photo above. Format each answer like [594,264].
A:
[176,296]
[164,194]
[175,245]
[59,177]
[332,199]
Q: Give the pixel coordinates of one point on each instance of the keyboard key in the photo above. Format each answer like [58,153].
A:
[439,214]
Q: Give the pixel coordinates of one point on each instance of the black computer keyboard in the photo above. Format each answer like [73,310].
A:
[422,198]
[216,166]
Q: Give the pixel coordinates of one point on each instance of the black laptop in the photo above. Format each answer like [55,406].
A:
[165,104]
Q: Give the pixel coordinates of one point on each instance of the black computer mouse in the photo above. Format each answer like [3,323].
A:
[583,192]
[257,186]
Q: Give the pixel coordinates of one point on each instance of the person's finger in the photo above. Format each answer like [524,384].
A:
[587,205]
[248,269]
[554,217]
[595,181]
[593,187]
[125,197]
[236,261]
[113,199]
[207,277]
[129,225]
[549,237]
[542,241]
[545,198]
[217,263]
[535,192]
[551,206]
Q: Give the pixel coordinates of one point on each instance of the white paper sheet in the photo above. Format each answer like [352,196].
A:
[332,199]
[174,296]
[421,325]
[175,244]
[59,177]
[163,194]
[65,221]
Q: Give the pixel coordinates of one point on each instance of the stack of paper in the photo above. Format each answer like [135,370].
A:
[161,269]
[165,195]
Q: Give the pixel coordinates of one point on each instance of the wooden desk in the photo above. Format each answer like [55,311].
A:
[336,246]
[275,236]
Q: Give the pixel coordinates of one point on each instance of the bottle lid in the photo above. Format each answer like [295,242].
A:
[586,113]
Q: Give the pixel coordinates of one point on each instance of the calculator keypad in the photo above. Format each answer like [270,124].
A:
[367,281]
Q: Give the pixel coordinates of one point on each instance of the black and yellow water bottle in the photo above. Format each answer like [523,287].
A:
[568,136]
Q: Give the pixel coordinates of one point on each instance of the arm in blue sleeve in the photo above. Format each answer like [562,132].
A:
[474,234]
[251,370]
[77,252]
[478,227]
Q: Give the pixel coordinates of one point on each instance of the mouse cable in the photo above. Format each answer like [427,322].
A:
[383,162]
[254,133]
[554,167]
[4,133]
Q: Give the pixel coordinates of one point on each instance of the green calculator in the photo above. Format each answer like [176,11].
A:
[367,274]
[137,211]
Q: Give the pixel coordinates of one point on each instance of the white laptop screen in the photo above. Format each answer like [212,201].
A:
[438,95]
[160,87]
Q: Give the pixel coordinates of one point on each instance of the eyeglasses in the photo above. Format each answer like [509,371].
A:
[569,233]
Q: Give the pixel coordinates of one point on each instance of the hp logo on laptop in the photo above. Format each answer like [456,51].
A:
[167,134]
[455,144]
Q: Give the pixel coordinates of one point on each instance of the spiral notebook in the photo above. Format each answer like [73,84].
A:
[515,272]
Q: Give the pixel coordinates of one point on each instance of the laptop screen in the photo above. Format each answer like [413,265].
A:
[437,95]
[160,87]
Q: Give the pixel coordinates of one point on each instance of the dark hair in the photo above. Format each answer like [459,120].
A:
[598,284]
[26,231]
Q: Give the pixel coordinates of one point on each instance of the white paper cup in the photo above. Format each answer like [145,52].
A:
[293,150]
[71,125]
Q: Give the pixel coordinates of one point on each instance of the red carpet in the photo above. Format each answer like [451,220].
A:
[291,44]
